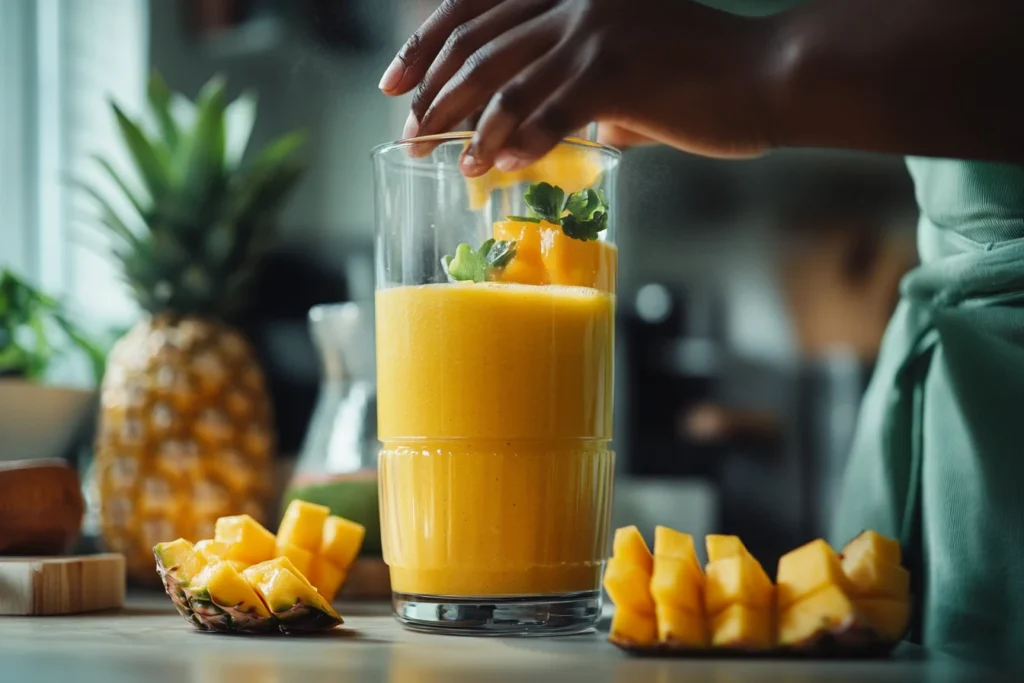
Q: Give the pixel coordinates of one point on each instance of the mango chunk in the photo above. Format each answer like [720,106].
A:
[569,167]
[246,539]
[740,627]
[301,558]
[720,546]
[302,525]
[738,579]
[807,569]
[827,611]
[628,585]
[546,255]
[681,628]
[342,539]
[870,577]
[677,583]
[629,545]
[633,628]
[888,618]
[886,549]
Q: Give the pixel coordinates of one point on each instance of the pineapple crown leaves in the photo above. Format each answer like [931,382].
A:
[207,216]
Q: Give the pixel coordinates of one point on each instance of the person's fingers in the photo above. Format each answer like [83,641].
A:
[567,110]
[416,55]
[485,71]
[466,39]
[515,103]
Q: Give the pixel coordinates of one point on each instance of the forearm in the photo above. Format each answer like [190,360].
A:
[919,77]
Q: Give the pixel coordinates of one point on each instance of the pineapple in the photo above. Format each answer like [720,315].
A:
[321,545]
[185,429]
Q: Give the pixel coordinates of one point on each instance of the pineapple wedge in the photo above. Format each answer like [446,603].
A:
[807,569]
[290,597]
[326,577]
[321,545]
[300,557]
[224,601]
[177,562]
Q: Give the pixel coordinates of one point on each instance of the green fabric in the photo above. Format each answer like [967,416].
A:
[938,457]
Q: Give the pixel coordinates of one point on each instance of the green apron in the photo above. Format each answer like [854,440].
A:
[938,457]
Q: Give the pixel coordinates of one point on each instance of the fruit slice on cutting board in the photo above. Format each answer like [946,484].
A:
[739,597]
[290,597]
[627,579]
[677,588]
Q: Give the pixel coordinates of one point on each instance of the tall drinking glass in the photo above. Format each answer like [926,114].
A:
[495,306]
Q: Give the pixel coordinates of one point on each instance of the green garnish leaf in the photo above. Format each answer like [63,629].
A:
[475,265]
[545,200]
[467,264]
[501,253]
[588,214]
[586,211]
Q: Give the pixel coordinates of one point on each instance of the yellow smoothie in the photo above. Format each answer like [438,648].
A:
[495,415]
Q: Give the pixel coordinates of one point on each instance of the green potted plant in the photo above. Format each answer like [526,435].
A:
[39,419]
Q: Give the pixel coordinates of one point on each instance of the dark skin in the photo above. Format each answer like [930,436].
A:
[917,77]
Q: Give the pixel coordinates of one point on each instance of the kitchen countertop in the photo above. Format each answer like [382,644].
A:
[148,641]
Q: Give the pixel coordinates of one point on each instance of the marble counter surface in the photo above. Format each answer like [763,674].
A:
[147,641]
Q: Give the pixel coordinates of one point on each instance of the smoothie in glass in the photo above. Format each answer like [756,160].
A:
[495,418]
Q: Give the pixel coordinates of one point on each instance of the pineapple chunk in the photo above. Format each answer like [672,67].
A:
[887,550]
[212,550]
[628,586]
[341,540]
[180,559]
[528,266]
[827,611]
[220,584]
[807,569]
[302,525]
[871,577]
[671,543]
[291,599]
[741,627]
[738,579]
[301,558]
[326,577]
[629,546]
[246,539]
[569,167]
[633,628]
[720,546]
[888,618]
[681,628]
[676,583]
[258,572]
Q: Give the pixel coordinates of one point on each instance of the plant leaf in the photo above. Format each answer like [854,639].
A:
[153,169]
[240,116]
[123,185]
[545,200]
[160,102]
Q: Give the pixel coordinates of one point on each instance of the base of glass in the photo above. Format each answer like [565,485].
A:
[541,615]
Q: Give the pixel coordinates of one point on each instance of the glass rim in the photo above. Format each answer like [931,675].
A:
[442,138]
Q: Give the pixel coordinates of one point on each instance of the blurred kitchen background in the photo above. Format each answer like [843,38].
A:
[753,295]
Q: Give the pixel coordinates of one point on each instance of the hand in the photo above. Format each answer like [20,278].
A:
[671,72]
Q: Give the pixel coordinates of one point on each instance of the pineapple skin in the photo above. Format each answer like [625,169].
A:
[185,436]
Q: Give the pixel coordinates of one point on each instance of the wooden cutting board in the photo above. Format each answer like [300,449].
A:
[61,585]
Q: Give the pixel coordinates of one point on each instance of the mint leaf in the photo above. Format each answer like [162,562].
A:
[545,200]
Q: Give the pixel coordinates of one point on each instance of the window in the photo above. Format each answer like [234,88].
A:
[61,62]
